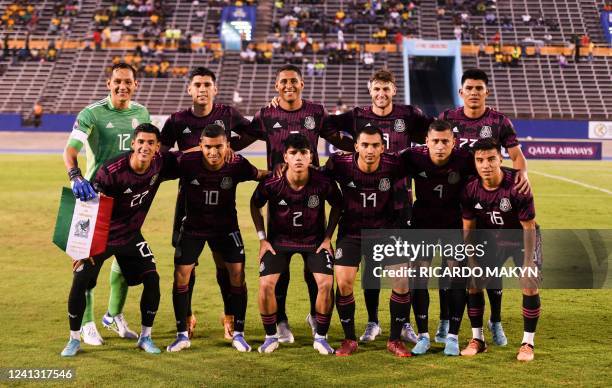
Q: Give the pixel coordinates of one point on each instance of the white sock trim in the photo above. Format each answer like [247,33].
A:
[477,333]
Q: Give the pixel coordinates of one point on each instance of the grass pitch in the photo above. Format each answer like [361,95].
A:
[572,343]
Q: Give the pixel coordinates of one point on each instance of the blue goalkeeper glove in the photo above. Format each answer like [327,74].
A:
[81,188]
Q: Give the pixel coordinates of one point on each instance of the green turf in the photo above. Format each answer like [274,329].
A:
[572,343]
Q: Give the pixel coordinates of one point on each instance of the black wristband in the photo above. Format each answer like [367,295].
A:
[74,172]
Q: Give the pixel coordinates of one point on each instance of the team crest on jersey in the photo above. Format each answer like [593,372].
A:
[220,123]
[262,267]
[485,132]
[309,123]
[399,125]
[504,205]
[81,229]
[226,183]
[453,177]
[338,253]
[313,201]
[384,184]
[154,179]
[134,123]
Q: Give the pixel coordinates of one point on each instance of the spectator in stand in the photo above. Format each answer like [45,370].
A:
[54,25]
[97,40]
[548,38]
[490,18]
[458,32]
[440,12]
[319,67]
[368,61]
[506,23]
[562,61]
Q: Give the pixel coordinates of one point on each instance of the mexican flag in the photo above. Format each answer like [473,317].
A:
[81,229]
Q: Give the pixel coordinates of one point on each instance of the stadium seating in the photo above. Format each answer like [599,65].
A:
[537,88]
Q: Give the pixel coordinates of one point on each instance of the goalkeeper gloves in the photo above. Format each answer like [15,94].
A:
[80,186]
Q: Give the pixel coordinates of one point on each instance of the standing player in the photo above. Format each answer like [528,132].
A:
[491,201]
[296,207]
[273,125]
[440,172]
[209,195]
[185,129]
[132,180]
[401,125]
[366,178]
[473,121]
[106,128]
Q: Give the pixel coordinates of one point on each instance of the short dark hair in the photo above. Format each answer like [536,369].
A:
[147,128]
[289,68]
[213,130]
[203,72]
[299,141]
[123,65]
[486,144]
[383,75]
[440,126]
[477,74]
[369,130]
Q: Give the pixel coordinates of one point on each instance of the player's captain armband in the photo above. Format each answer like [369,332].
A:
[77,137]
[82,228]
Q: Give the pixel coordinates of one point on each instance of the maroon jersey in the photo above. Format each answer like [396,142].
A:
[404,125]
[502,208]
[274,125]
[491,124]
[132,193]
[185,128]
[297,218]
[368,197]
[438,188]
[210,196]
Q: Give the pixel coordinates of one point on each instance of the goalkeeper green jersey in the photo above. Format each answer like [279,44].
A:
[105,131]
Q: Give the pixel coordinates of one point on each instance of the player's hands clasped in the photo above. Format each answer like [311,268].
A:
[81,188]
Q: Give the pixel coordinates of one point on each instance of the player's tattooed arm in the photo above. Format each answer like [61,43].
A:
[519,162]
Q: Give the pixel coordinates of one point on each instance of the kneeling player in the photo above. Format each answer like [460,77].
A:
[210,216]
[132,179]
[491,201]
[366,178]
[296,206]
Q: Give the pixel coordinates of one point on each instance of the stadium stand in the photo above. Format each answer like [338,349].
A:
[337,65]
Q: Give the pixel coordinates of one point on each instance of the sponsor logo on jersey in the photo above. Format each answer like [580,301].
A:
[127,191]
[485,132]
[277,125]
[134,123]
[186,131]
[478,206]
[154,179]
[195,182]
[351,184]
[220,123]
[309,123]
[384,185]
[504,205]
[338,253]
[313,201]
[453,177]
[282,202]
[399,125]
[110,125]
[226,183]
[82,228]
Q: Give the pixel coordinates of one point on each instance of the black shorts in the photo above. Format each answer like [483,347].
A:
[134,258]
[229,245]
[348,252]
[321,262]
